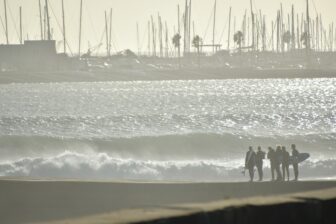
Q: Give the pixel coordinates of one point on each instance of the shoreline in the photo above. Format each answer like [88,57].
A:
[44,201]
[220,73]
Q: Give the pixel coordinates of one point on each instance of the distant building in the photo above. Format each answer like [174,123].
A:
[33,55]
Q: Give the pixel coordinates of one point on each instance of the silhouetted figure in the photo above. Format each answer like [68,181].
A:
[260,156]
[272,158]
[295,154]
[285,163]
[250,162]
[278,160]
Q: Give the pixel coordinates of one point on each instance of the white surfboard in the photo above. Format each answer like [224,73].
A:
[301,158]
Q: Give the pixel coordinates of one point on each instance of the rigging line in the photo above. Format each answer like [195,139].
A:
[113,43]
[143,39]
[207,27]
[255,8]
[59,26]
[101,41]
[270,38]
[222,35]
[314,7]
[2,23]
[13,20]
[91,23]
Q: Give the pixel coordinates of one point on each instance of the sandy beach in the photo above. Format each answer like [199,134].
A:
[43,201]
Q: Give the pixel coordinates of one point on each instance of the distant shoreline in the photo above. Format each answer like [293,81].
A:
[162,74]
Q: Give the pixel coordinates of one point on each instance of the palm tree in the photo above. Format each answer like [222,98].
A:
[197,42]
[177,44]
[238,39]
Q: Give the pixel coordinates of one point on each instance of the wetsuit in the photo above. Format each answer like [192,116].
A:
[250,163]
[295,154]
[259,163]
[278,160]
[285,164]
[271,157]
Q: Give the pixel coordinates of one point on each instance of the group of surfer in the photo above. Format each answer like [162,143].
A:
[280,160]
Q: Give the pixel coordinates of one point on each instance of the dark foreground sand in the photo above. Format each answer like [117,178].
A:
[43,201]
[157,75]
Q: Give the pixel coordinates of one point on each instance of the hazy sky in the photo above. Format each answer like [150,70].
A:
[127,12]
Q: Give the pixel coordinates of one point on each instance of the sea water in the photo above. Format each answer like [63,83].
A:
[163,130]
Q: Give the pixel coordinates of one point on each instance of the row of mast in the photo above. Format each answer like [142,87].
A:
[296,34]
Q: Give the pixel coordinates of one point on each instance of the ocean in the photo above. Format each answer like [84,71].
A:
[164,130]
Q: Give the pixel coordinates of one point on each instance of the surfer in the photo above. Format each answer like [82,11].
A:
[285,163]
[250,162]
[260,156]
[278,160]
[295,155]
[271,157]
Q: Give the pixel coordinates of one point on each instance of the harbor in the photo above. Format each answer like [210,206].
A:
[293,43]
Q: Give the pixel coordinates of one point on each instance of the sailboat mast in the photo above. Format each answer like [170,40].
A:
[189,27]
[185,27]
[64,36]
[80,28]
[21,38]
[48,21]
[308,27]
[293,29]
[41,20]
[167,47]
[110,35]
[138,39]
[252,18]
[214,27]
[149,39]
[229,34]
[107,35]
[179,31]
[6,21]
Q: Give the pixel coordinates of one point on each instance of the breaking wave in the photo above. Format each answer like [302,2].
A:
[169,147]
[101,166]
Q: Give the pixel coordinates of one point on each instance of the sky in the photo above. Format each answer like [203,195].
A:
[127,13]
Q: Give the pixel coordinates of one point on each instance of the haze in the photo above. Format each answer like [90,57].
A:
[126,13]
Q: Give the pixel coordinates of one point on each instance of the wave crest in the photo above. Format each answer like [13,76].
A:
[104,167]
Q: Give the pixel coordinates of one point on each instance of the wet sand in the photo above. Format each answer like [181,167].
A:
[158,75]
[42,201]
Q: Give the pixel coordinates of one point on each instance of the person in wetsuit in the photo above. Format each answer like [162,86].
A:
[250,162]
[260,156]
[295,155]
[272,158]
[278,161]
[285,163]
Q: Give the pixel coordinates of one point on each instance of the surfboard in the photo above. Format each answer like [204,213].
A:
[301,158]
